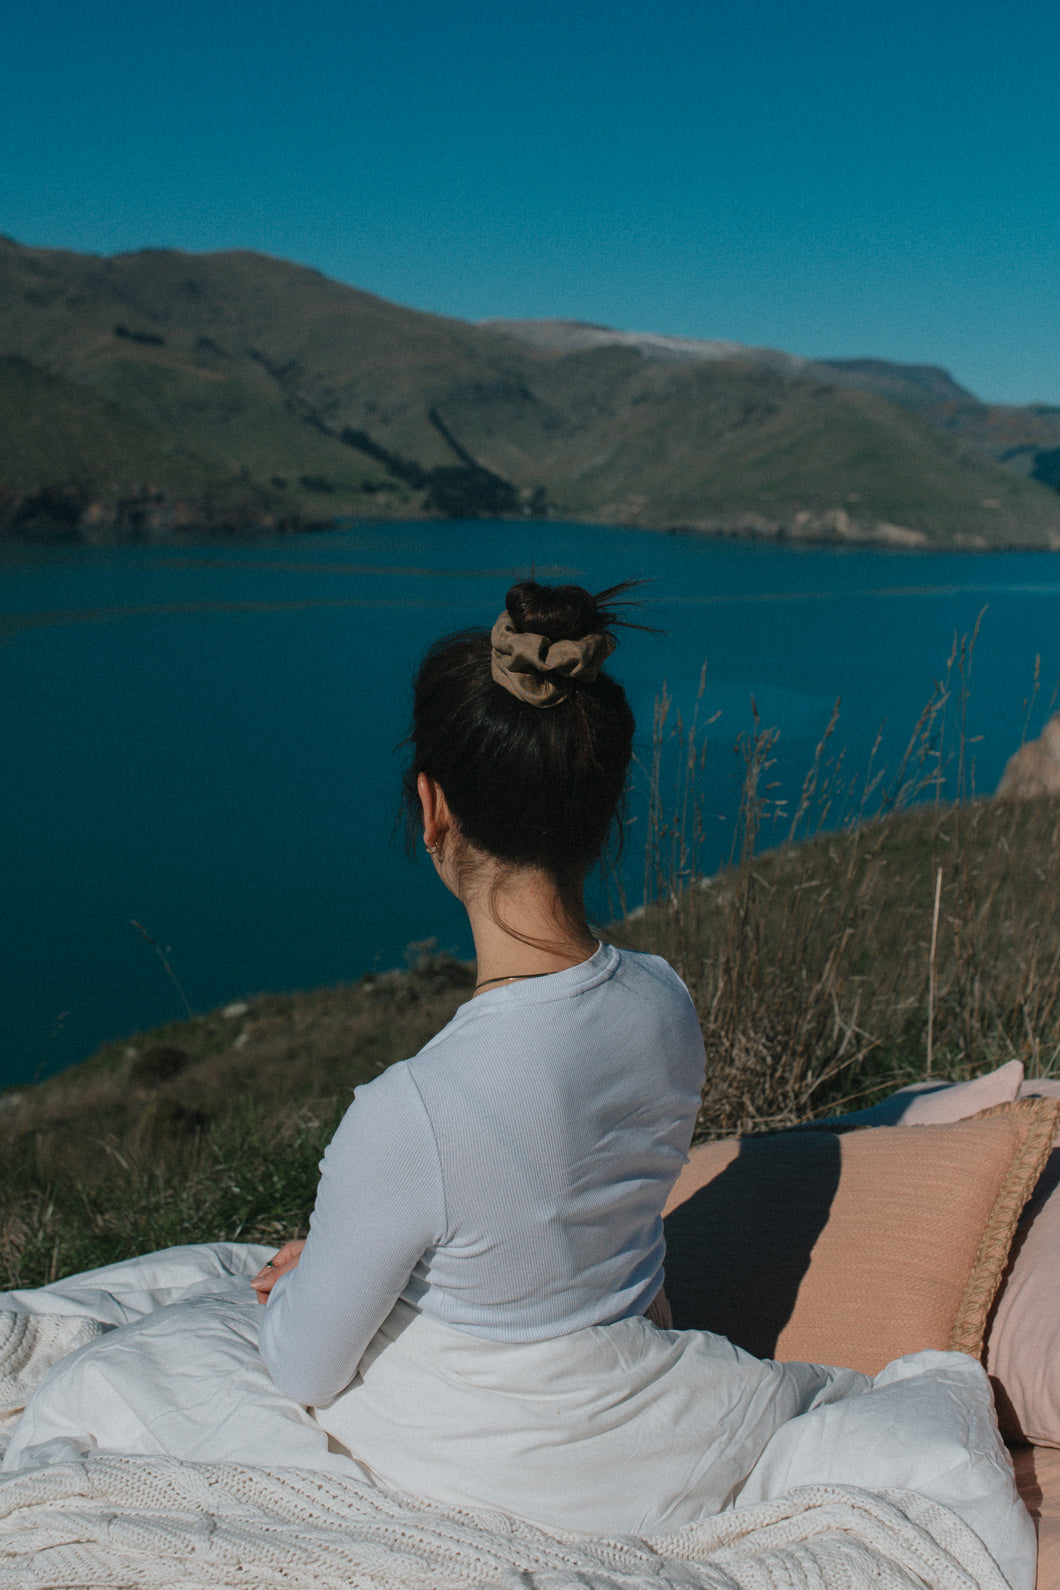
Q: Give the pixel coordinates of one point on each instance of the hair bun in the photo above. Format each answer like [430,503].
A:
[559,612]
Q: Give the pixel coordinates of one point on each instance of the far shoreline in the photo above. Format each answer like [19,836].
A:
[820,530]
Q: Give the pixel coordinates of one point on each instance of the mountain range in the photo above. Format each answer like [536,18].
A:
[159,393]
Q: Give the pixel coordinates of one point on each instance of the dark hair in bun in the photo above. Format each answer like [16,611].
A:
[530,786]
[562,612]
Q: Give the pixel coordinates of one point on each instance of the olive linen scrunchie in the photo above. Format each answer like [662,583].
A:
[523,663]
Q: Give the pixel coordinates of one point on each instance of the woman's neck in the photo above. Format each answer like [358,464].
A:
[521,930]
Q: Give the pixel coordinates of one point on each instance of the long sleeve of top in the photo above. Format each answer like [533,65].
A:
[509,1179]
[379,1207]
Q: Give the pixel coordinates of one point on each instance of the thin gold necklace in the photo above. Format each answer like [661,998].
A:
[511,977]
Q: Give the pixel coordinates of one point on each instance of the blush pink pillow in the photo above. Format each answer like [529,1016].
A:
[938,1103]
[1023,1339]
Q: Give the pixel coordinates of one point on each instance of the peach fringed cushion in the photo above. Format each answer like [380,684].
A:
[854,1248]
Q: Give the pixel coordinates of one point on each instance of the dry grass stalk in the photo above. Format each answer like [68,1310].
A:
[807,961]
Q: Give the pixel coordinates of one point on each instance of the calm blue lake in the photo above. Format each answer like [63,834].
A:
[206,740]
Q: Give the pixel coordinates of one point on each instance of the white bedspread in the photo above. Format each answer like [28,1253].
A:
[160,1453]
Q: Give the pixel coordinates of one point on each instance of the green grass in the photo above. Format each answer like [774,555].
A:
[811,967]
[203,1129]
[55,432]
[238,1181]
[217,443]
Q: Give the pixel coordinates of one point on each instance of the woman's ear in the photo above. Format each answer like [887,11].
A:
[436,816]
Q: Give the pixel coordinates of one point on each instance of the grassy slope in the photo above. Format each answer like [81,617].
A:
[189,395]
[88,450]
[289,337]
[705,444]
[809,968]
[54,431]
[203,1128]
[256,355]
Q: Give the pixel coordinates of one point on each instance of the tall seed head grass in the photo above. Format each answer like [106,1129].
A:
[822,972]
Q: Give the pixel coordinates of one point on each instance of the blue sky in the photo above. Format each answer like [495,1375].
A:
[830,179]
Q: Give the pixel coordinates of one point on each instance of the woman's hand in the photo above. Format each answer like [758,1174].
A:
[659,1312]
[285,1259]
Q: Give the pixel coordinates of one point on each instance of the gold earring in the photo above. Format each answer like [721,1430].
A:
[430,849]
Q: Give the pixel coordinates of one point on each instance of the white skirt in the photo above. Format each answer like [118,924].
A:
[618,1428]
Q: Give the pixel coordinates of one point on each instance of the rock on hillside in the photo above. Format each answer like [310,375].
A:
[1035,768]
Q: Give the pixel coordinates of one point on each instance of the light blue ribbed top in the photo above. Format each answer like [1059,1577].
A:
[509,1179]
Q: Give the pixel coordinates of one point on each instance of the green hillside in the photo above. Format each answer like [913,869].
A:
[52,429]
[76,465]
[727,445]
[233,391]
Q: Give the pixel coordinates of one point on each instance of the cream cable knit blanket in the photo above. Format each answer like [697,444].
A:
[125,1522]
